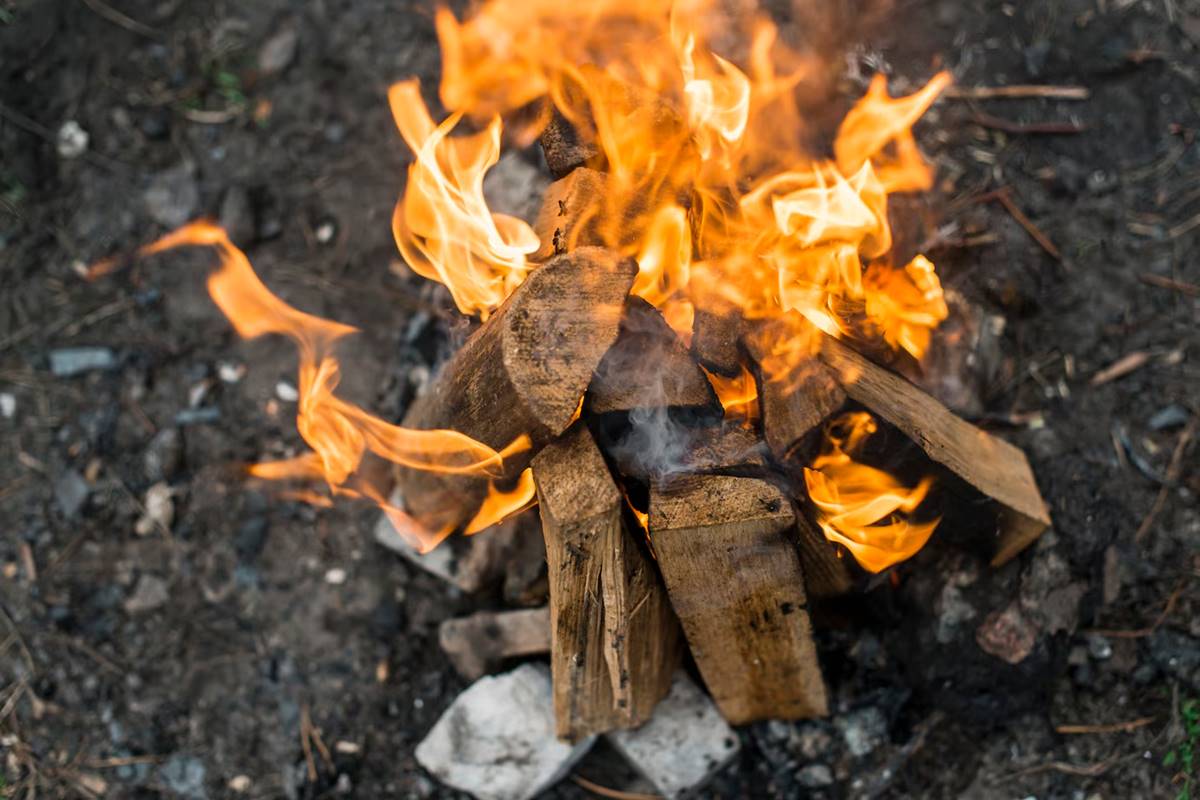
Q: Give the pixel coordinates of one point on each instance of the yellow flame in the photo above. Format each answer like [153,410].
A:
[339,432]
[499,505]
[863,508]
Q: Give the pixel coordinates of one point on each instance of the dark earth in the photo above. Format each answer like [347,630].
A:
[194,658]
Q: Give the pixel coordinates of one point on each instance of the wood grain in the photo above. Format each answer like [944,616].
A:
[523,372]
[615,639]
[736,583]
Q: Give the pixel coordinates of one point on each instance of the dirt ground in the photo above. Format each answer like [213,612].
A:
[191,659]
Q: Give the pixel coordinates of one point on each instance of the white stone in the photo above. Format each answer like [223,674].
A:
[496,741]
[684,744]
[335,576]
[286,392]
[8,405]
[72,140]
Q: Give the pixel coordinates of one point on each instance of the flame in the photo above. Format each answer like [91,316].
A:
[706,184]
[442,224]
[339,433]
[499,505]
[862,507]
[738,395]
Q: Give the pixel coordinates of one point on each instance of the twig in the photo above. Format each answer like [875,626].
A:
[1003,196]
[1115,727]
[1008,126]
[1142,633]
[1174,470]
[1082,770]
[306,744]
[123,761]
[616,794]
[1016,92]
[1121,367]
[1183,287]
[20,640]
[1184,227]
[119,19]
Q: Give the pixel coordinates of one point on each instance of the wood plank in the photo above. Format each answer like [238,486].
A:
[615,639]
[715,340]
[478,643]
[995,468]
[523,372]
[735,581]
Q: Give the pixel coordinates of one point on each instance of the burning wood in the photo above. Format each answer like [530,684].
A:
[992,466]
[480,642]
[615,640]
[715,338]
[648,367]
[736,583]
[507,378]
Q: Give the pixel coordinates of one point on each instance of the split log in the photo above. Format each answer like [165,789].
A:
[793,405]
[479,643]
[614,640]
[648,367]
[826,574]
[523,372]
[715,337]
[571,213]
[736,584]
[995,468]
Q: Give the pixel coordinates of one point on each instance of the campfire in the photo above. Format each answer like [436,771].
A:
[697,361]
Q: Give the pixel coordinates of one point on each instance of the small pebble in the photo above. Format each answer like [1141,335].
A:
[336,576]
[8,405]
[347,748]
[231,373]
[815,776]
[72,140]
[286,392]
[69,361]
[1099,647]
[1169,417]
[240,783]
[325,232]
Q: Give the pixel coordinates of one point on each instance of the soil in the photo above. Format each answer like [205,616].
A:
[190,660]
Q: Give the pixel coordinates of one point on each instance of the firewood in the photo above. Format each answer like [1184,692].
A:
[826,574]
[793,404]
[648,367]
[566,148]
[573,208]
[523,372]
[480,642]
[995,468]
[735,581]
[715,336]
[615,640]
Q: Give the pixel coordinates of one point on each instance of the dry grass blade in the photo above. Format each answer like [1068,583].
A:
[1115,727]
[1121,367]
[1174,470]
[121,20]
[1140,633]
[1183,287]
[1017,92]
[616,794]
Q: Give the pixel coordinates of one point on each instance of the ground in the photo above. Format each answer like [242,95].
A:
[197,657]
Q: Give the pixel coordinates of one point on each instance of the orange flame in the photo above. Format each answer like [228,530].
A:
[498,505]
[861,507]
[339,433]
[738,395]
[704,172]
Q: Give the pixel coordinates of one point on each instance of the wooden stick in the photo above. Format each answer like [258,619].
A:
[1016,92]
[615,640]
[992,466]
[1019,128]
[715,336]
[736,583]
[1163,282]
[478,643]
[648,367]
[523,372]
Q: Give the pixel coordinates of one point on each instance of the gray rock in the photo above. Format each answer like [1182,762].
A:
[684,744]
[497,739]
[150,593]
[184,775]
[278,52]
[70,493]
[863,730]
[237,216]
[1099,647]
[1177,654]
[68,361]
[1007,634]
[1170,417]
[163,455]
[514,187]
[173,196]
[71,141]
[815,776]
[953,610]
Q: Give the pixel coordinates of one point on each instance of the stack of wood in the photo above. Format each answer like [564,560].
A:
[715,549]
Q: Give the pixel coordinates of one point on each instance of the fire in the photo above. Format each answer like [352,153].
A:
[339,433]
[862,507]
[738,396]
[714,198]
